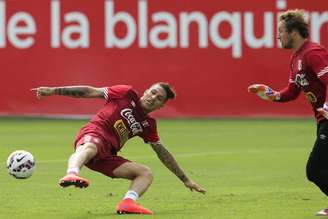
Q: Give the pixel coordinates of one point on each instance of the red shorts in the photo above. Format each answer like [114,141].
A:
[106,159]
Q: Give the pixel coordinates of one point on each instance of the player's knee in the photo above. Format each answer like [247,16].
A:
[147,172]
[319,177]
[311,175]
[312,172]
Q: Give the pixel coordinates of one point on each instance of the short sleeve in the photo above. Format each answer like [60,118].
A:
[116,92]
[150,134]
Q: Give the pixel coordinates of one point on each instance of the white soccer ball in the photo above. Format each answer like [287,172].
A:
[21,164]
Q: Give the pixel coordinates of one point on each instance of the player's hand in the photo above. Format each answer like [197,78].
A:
[43,91]
[323,111]
[264,92]
[194,186]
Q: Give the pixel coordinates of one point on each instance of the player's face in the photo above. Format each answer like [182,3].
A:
[153,98]
[285,38]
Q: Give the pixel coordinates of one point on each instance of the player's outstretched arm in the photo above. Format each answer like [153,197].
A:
[169,161]
[264,92]
[71,91]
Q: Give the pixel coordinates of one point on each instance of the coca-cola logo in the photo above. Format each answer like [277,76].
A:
[134,125]
[301,80]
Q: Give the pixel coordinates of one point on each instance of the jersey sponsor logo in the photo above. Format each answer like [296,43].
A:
[122,131]
[311,97]
[300,80]
[135,126]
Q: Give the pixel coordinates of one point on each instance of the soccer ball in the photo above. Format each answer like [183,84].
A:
[20,164]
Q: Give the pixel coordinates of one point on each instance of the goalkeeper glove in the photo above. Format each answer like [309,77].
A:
[323,110]
[264,92]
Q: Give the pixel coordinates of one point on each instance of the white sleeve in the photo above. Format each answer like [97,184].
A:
[105,92]
[323,72]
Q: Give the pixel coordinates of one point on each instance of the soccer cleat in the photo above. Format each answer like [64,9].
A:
[323,212]
[128,206]
[72,179]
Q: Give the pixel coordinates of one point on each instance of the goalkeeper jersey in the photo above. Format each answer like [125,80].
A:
[308,74]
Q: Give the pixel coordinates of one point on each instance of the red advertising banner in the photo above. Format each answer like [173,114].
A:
[210,51]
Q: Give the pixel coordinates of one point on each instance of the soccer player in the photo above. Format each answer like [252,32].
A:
[124,115]
[309,74]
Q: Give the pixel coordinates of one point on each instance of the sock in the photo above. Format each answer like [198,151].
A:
[74,170]
[132,195]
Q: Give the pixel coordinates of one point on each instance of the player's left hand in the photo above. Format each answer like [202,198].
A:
[323,111]
[264,92]
[194,186]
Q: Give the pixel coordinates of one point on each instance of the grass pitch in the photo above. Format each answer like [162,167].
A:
[251,169]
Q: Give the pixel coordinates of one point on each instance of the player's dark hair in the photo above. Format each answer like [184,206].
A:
[295,20]
[170,93]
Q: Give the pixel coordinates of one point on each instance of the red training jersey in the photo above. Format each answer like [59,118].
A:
[308,73]
[122,118]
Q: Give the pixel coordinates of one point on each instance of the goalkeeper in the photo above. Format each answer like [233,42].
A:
[308,74]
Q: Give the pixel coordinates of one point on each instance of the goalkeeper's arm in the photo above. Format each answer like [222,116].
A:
[289,93]
[264,92]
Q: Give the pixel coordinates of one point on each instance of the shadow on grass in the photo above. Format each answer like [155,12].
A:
[113,214]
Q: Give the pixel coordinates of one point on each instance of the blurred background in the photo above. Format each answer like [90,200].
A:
[210,51]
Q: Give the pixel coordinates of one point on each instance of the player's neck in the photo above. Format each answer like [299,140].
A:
[298,44]
[146,111]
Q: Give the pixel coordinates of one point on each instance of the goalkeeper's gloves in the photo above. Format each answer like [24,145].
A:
[264,92]
[323,110]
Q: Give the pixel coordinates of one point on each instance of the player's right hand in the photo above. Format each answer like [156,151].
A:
[323,110]
[264,92]
[43,91]
[194,186]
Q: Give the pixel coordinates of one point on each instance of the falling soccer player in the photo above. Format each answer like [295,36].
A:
[124,115]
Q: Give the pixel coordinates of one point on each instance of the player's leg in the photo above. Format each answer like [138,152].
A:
[81,156]
[141,178]
[317,165]
[109,164]
[85,150]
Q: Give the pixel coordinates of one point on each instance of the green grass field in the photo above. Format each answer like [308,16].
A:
[251,169]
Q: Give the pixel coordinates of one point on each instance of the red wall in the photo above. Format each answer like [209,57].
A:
[41,45]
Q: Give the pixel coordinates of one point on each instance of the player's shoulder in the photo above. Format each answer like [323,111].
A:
[122,87]
[313,47]
[120,91]
[313,50]
[152,121]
